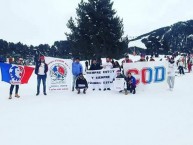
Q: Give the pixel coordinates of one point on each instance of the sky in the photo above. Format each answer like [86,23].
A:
[35,22]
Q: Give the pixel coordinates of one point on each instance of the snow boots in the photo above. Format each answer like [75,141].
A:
[84,91]
[16,95]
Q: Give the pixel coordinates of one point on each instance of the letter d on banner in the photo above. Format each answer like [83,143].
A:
[160,74]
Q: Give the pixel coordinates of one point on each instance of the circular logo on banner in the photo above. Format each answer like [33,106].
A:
[58,72]
[16,74]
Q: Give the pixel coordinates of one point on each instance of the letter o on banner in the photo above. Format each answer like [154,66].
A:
[146,75]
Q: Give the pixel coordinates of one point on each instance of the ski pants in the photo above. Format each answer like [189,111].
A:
[16,89]
[170,81]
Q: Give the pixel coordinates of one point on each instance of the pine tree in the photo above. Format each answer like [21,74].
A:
[97,31]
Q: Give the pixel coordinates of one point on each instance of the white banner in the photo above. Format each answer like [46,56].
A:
[149,75]
[120,84]
[59,74]
[100,79]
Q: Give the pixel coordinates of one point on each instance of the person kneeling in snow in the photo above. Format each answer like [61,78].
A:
[120,83]
[81,83]
[131,83]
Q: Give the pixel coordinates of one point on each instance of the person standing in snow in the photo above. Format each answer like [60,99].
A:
[126,60]
[181,67]
[171,73]
[147,58]
[116,65]
[41,70]
[19,62]
[142,58]
[107,65]
[86,65]
[76,70]
[151,59]
[95,66]
[189,61]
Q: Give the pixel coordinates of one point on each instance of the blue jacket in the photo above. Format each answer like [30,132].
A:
[131,80]
[76,68]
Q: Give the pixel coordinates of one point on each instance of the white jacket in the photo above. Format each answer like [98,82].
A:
[181,63]
[171,69]
[108,65]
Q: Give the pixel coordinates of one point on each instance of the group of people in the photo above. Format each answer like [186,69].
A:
[178,65]
[183,63]
[79,81]
[41,70]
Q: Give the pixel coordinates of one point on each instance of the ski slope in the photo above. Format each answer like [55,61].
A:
[98,117]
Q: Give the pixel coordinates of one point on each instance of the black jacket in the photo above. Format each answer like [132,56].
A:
[121,76]
[38,66]
[81,83]
[95,67]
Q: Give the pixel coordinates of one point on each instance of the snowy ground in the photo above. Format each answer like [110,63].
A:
[98,118]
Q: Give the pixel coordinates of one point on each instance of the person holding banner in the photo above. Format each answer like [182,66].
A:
[131,83]
[116,65]
[76,70]
[120,83]
[151,59]
[81,83]
[171,73]
[19,62]
[126,60]
[41,70]
[107,65]
[95,66]
[142,58]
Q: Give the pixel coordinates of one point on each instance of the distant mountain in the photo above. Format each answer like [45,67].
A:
[167,40]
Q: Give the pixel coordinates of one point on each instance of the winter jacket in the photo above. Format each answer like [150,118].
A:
[95,66]
[171,68]
[121,76]
[131,80]
[108,65]
[117,66]
[127,61]
[38,64]
[81,83]
[141,60]
[180,63]
[76,68]
[151,59]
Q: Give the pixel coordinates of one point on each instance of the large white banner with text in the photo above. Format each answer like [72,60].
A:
[149,75]
[100,79]
[59,74]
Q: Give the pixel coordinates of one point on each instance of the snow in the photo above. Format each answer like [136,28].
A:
[137,43]
[99,117]
[190,36]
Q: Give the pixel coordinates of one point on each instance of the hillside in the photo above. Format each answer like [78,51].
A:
[167,40]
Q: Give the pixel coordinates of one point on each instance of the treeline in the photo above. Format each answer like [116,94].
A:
[60,49]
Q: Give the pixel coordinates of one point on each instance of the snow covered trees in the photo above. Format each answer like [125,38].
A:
[97,30]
